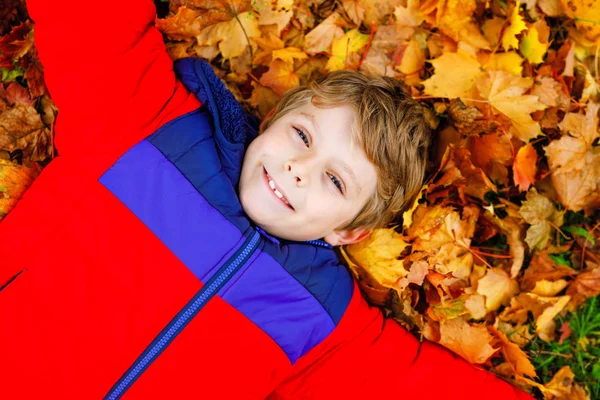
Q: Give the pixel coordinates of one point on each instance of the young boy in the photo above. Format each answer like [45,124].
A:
[132,268]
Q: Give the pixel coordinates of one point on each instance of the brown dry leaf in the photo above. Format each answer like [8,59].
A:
[585,285]
[525,167]
[505,93]
[497,287]
[575,163]
[418,271]
[543,216]
[542,267]
[385,46]
[21,127]
[473,342]
[320,38]
[355,10]
[516,357]
[263,99]
[550,92]
[458,169]
[376,11]
[514,237]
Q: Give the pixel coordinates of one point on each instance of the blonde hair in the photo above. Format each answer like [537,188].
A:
[390,128]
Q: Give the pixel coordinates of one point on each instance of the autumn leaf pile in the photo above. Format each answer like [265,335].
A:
[505,237]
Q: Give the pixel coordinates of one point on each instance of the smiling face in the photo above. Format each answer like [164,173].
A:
[303,178]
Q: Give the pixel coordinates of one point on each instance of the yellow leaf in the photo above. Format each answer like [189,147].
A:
[289,54]
[509,62]
[531,47]
[280,77]
[229,35]
[446,82]
[320,38]
[280,15]
[413,60]
[514,355]
[355,10]
[517,25]
[379,255]
[548,288]
[586,14]
[545,325]
[505,94]
[455,19]
[343,47]
[492,28]
[497,287]
[409,15]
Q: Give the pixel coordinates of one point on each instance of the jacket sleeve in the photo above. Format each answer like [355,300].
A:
[106,68]
[381,360]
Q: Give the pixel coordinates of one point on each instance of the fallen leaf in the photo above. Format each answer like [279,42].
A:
[517,25]
[344,47]
[542,215]
[525,167]
[289,54]
[531,48]
[355,10]
[446,83]
[516,357]
[549,288]
[321,37]
[586,14]
[470,341]
[280,77]
[585,286]
[497,287]
[14,181]
[231,36]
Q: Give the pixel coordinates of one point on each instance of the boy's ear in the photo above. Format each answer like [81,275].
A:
[337,238]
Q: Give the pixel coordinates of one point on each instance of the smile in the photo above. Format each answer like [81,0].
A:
[276,190]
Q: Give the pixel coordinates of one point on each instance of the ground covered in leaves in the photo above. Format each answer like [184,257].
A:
[499,258]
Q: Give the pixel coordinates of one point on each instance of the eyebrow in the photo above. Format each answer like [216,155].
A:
[345,166]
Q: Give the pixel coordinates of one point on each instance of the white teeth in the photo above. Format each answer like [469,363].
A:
[272,184]
[278,193]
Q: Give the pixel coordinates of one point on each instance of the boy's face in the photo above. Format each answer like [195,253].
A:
[303,177]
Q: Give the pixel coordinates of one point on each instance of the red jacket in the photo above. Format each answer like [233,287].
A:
[90,284]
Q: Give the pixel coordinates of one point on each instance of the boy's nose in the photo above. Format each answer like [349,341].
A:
[299,172]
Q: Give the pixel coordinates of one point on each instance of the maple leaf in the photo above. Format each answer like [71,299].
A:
[585,285]
[586,14]
[517,25]
[376,11]
[525,167]
[344,47]
[263,99]
[497,287]
[320,38]
[447,310]
[16,44]
[280,77]
[445,82]
[531,48]
[379,255]
[385,48]
[542,267]
[355,10]
[409,15]
[289,54]
[541,214]
[550,92]
[506,94]
[575,163]
[21,128]
[454,18]
[416,274]
[279,14]
[231,36]
[470,341]
[412,61]
[186,23]
[516,357]
[509,62]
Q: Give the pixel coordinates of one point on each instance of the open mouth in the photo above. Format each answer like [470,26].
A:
[276,190]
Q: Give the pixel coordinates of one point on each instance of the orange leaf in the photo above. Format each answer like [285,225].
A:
[516,357]
[472,342]
[280,77]
[525,167]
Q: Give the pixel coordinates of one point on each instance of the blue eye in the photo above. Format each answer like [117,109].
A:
[337,183]
[302,136]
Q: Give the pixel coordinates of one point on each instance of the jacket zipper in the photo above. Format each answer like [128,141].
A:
[183,318]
